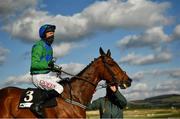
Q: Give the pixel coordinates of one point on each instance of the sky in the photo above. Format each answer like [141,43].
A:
[143,36]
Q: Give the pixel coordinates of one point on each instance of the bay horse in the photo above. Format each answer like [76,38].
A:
[82,89]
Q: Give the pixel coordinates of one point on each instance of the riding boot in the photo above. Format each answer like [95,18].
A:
[52,94]
[66,79]
[37,108]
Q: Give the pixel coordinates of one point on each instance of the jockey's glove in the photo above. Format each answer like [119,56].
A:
[57,69]
[51,64]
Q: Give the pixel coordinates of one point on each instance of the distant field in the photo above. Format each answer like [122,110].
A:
[142,113]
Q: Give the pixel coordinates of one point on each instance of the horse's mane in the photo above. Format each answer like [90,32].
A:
[81,72]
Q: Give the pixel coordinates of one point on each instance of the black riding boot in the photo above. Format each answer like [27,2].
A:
[52,94]
[37,108]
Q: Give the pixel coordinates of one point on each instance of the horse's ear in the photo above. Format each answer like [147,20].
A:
[101,51]
[108,53]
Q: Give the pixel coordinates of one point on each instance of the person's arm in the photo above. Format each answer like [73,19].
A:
[94,105]
[37,52]
[120,100]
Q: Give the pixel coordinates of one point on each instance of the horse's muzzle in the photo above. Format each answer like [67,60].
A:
[126,84]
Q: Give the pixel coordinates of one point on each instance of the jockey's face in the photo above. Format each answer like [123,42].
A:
[49,34]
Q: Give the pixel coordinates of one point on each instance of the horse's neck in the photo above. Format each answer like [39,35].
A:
[82,91]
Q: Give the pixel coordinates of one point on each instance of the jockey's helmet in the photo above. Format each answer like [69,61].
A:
[46,28]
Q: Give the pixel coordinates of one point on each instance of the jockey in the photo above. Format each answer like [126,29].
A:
[41,65]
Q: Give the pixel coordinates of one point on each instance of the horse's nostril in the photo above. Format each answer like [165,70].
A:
[130,80]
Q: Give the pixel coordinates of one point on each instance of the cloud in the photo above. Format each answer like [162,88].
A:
[9,8]
[138,76]
[172,73]
[64,48]
[73,68]
[27,26]
[141,88]
[134,59]
[3,54]
[102,15]
[175,74]
[145,90]
[17,80]
[150,38]
[167,87]
[126,14]
[137,91]
[176,32]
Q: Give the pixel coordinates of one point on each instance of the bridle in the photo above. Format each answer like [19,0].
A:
[106,65]
[114,81]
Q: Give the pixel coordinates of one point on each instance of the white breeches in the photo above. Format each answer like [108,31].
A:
[47,82]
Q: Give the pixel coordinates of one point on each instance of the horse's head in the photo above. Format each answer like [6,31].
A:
[111,72]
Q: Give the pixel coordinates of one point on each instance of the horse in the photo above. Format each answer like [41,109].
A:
[83,85]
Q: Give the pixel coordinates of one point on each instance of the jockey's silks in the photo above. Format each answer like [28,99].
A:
[41,55]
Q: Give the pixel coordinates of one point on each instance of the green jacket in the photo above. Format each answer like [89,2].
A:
[107,108]
[41,55]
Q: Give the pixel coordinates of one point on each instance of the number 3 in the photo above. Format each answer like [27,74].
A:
[29,96]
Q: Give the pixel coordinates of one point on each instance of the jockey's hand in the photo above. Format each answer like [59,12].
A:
[51,64]
[57,69]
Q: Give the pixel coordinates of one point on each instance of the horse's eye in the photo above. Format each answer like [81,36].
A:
[111,63]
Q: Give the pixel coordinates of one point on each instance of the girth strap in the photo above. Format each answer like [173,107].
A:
[75,103]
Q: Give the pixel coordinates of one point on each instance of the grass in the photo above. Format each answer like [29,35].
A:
[142,113]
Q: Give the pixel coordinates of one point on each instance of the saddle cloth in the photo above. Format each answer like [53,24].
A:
[30,96]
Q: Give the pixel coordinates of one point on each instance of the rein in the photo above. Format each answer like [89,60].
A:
[81,78]
[58,69]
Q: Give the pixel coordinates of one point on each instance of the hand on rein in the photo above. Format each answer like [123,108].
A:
[57,69]
[113,88]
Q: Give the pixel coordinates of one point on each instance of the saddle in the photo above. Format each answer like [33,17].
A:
[30,96]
